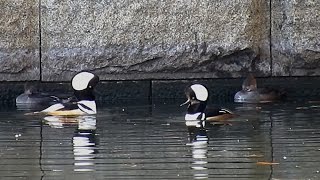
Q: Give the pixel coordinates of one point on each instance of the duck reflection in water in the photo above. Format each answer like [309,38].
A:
[84,139]
[198,141]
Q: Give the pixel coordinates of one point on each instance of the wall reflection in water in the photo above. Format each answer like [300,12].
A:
[199,147]
[84,139]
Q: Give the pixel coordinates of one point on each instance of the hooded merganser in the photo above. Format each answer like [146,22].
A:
[31,97]
[82,84]
[251,94]
[197,112]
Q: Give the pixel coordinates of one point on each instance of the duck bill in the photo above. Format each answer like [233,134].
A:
[187,102]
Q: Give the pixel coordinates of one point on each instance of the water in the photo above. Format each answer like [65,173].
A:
[269,141]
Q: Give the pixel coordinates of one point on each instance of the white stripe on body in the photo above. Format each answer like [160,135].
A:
[54,107]
[225,111]
[89,104]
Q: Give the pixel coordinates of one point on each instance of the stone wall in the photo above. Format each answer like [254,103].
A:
[295,37]
[19,40]
[152,39]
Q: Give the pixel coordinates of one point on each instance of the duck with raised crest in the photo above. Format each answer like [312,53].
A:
[197,112]
[83,84]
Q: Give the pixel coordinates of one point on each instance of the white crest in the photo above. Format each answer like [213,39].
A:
[200,91]
[81,80]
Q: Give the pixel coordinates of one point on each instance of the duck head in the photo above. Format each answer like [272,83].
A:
[249,92]
[83,84]
[30,88]
[250,83]
[197,96]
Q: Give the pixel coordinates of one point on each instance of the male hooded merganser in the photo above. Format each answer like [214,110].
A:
[82,84]
[251,94]
[197,112]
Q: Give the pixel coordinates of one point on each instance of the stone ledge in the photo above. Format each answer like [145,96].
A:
[170,91]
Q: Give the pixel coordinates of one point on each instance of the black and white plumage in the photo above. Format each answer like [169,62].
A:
[197,112]
[83,84]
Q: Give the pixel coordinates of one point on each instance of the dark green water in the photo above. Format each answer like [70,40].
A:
[152,142]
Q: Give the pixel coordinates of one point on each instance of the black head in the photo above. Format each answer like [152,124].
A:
[197,96]
[83,84]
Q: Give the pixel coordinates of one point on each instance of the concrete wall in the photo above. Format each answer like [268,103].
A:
[50,40]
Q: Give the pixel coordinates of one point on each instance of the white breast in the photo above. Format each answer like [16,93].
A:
[192,119]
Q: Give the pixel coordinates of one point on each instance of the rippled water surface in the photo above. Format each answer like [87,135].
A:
[269,141]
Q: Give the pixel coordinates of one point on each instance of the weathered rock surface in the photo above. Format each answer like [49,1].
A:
[150,39]
[19,40]
[296,38]
[144,39]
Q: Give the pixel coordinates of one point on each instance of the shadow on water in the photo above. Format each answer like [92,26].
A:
[267,141]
